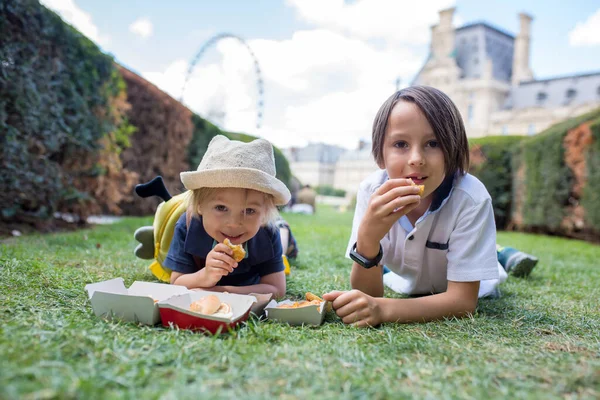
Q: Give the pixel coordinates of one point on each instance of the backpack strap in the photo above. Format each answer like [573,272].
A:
[188,220]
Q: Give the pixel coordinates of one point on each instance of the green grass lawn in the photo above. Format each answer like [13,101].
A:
[540,340]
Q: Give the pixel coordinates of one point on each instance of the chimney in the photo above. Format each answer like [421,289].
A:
[521,70]
[442,35]
[446,18]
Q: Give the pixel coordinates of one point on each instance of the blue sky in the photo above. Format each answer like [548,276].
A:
[327,64]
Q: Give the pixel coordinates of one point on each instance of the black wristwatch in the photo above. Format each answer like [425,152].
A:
[363,261]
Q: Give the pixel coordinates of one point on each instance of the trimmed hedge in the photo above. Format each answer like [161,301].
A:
[328,190]
[546,197]
[591,192]
[160,145]
[61,112]
[203,133]
[66,142]
[491,162]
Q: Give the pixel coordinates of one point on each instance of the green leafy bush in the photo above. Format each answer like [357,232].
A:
[547,182]
[57,92]
[491,162]
[328,190]
[591,191]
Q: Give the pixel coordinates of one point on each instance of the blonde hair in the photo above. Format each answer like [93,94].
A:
[202,195]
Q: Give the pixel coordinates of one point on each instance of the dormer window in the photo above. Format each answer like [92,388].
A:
[570,95]
[541,97]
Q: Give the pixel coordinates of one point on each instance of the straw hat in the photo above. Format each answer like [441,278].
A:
[233,164]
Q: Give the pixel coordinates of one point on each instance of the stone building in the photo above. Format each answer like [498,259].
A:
[486,71]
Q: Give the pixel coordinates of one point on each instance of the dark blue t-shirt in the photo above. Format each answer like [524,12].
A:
[264,253]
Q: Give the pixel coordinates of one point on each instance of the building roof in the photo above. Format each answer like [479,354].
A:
[356,155]
[487,26]
[314,152]
[556,92]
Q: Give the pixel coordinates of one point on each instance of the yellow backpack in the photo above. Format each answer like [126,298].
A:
[155,240]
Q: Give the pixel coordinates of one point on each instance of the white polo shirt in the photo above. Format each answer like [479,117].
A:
[454,240]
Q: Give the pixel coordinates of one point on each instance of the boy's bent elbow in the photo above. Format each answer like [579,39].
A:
[279,291]
[467,309]
[174,277]
[464,297]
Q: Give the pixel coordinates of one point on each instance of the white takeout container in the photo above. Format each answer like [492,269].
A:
[308,315]
[110,299]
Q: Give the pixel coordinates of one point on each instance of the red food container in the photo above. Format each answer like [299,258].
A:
[175,311]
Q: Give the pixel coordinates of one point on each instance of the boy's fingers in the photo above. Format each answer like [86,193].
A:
[362,324]
[226,258]
[393,183]
[347,310]
[331,296]
[404,204]
[222,248]
[352,318]
[397,198]
[223,261]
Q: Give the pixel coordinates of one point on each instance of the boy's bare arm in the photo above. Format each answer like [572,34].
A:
[360,309]
[459,300]
[196,280]
[369,281]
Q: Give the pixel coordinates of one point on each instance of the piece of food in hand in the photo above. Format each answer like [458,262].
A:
[238,250]
[421,187]
[310,297]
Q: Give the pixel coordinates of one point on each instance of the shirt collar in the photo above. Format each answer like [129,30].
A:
[442,193]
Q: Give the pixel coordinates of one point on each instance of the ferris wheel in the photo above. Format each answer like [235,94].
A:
[258,74]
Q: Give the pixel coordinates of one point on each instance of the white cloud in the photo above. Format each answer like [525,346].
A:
[319,85]
[393,20]
[141,27]
[82,21]
[586,33]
